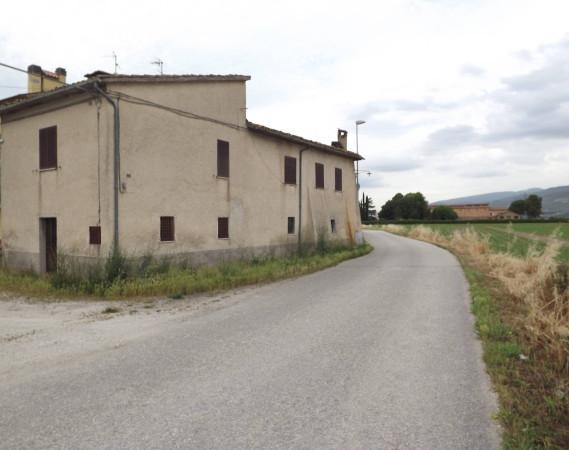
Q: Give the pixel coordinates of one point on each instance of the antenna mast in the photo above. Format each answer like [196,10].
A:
[116,62]
[160,65]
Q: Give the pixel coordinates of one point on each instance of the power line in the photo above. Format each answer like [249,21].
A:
[12,67]
[144,102]
[141,101]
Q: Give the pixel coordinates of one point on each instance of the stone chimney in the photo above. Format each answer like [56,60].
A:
[342,141]
[40,80]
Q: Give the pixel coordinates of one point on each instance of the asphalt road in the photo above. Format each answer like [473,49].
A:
[376,353]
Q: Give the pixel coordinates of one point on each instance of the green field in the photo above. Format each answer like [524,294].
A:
[502,237]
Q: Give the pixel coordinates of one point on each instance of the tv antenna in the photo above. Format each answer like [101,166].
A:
[158,62]
[116,61]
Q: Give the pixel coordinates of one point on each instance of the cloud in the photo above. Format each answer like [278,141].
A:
[371,181]
[394,165]
[380,107]
[472,70]
[451,137]
[534,105]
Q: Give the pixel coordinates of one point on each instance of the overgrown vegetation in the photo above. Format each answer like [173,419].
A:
[120,277]
[521,305]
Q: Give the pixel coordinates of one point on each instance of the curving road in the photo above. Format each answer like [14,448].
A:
[376,353]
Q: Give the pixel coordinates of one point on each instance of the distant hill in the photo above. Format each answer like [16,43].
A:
[555,199]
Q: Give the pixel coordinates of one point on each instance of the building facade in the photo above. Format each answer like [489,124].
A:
[483,211]
[166,166]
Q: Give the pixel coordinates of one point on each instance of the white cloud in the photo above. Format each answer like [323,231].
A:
[473,76]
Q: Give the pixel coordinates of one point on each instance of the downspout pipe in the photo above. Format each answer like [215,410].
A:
[300,197]
[116,175]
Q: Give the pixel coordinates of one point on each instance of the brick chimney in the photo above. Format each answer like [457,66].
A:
[342,141]
[40,80]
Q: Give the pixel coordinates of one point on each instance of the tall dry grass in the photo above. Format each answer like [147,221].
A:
[538,281]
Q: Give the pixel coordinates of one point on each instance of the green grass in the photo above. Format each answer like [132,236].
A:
[532,413]
[543,229]
[178,282]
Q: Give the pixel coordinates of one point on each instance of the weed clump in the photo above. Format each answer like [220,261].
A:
[120,277]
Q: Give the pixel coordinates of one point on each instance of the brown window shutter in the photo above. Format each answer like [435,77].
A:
[43,148]
[167,228]
[52,146]
[290,170]
[319,168]
[223,227]
[48,148]
[338,179]
[222,158]
[95,235]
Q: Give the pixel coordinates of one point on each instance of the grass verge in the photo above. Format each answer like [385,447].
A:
[521,308]
[178,282]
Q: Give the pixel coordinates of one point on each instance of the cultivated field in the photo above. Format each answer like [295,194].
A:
[518,239]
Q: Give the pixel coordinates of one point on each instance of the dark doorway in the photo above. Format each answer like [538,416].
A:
[49,244]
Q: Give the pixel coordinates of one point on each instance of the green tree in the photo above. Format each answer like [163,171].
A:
[412,205]
[443,212]
[518,206]
[533,206]
[366,203]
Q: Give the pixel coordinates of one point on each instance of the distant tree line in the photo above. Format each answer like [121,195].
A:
[414,206]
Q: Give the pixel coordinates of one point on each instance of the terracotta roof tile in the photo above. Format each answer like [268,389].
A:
[261,129]
[110,77]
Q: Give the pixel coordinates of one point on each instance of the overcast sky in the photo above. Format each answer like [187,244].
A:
[460,97]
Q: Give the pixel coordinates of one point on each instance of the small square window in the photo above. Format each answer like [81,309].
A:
[95,235]
[333,225]
[223,227]
[291,225]
[167,228]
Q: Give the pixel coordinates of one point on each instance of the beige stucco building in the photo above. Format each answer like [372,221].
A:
[163,165]
[483,211]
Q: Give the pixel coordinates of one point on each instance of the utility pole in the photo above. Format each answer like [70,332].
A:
[358,123]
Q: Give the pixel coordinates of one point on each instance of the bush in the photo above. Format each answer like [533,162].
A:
[443,212]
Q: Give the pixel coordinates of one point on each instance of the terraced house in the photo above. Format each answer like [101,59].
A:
[166,165]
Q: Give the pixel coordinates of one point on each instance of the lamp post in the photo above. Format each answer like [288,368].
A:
[358,123]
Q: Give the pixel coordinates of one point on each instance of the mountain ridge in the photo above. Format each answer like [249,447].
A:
[555,199]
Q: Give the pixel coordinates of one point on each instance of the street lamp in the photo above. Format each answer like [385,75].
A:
[358,123]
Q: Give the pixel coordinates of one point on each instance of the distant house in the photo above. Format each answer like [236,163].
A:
[503,214]
[166,165]
[482,211]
